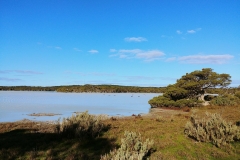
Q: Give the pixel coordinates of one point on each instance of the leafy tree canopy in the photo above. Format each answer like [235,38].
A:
[198,81]
[191,86]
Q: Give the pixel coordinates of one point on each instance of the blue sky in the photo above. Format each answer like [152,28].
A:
[123,42]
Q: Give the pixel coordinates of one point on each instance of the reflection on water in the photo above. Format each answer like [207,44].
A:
[16,105]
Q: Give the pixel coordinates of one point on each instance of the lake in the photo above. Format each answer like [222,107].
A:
[17,105]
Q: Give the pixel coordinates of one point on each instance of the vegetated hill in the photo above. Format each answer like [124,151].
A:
[87,88]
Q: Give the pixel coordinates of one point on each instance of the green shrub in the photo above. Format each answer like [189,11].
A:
[227,100]
[175,93]
[162,101]
[237,94]
[81,125]
[212,129]
[132,148]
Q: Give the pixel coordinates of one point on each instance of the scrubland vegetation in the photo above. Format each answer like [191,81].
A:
[164,134]
[179,126]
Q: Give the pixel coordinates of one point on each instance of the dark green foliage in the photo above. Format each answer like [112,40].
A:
[227,100]
[212,129]
[175,93]
[81,125]
[132,148]
[88,88]
[190,88]
[110,89]
[198,81]
[162,101]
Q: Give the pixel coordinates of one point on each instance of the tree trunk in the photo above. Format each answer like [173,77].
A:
[201,98]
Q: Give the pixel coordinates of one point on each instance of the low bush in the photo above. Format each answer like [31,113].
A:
[132,148]
[227,100]
[162,101]
[212,129]
[81,125]
[237,94]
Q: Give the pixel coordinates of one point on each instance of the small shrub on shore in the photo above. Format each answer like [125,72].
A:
[212,129]
[81,125]
[132,148]
[162,101]
[237,94]
[227,100]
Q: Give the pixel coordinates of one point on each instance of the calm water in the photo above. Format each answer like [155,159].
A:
[16,105]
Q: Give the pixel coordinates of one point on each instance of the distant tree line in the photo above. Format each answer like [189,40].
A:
[109,89]
[87,88]
[28,88]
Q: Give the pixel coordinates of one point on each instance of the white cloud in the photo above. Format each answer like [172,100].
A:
[93,51]
[149,55]
[191,31]
[58,47]
[113,50]
[20,71]
[135,39]
[171,59]
[203,59]
[9,79]
[179,32]
[76,49]
[194,30]
[89,73]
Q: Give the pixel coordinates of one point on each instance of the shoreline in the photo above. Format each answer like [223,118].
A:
[153,112]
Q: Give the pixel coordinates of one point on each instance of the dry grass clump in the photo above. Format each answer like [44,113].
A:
[132,148]
[212,128]
[82,125]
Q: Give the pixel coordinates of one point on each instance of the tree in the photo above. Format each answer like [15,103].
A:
[190,88]
[197,82]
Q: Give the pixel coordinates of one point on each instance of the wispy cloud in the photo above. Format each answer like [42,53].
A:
[179,32]
[171,59]
[148,78]
[135,39]
[138,78]
[20,71]
[113,50]
[76,49]
[9,79]
[149,55]
[57,47]
[192,31]
[204,59]
[93,51]
[90,73]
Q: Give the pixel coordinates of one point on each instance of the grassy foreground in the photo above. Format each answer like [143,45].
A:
[37,140]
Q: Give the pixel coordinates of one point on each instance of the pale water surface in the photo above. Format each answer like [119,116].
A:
[16,105]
